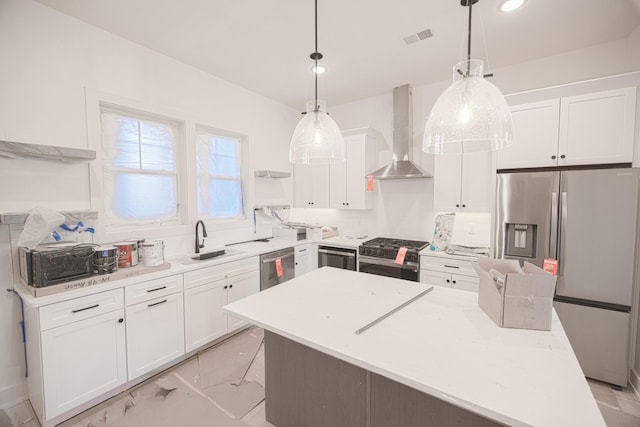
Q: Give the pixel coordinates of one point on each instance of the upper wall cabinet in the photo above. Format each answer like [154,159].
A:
[463,183]
[348,183]
[311,186]
[577,130]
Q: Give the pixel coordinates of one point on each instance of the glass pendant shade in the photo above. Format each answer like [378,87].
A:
[316,138]
[471,115]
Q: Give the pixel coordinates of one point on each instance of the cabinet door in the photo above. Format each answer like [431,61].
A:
[466,283]
[535,136]
[476,190]
[435,278]
[240,287]
[597,127]
[303,265]
[203,316]
[356,181]
[82,360]
[447,180]
[311,186]
[338,182]
[155,333]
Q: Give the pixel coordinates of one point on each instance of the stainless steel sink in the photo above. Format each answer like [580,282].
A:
[209,256]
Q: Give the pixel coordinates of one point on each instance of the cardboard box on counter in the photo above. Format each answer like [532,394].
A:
[322,233]
[523,301]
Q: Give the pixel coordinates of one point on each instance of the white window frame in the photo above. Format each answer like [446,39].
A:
[244,176]
[95,101]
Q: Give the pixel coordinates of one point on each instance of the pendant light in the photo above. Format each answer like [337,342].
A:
[317,137]
[471,115]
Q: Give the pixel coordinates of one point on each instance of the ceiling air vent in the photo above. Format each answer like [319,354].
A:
[424,34]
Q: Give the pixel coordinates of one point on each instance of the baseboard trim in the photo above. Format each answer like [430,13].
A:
[13,395]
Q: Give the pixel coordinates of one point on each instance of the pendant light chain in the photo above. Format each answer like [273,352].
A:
[315,57]
[470,2]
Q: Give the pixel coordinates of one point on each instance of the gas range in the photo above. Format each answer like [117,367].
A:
[387,248]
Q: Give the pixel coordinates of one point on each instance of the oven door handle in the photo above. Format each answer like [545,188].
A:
[340,253]
[388,262]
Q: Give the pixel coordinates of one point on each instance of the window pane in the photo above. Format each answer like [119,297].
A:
[156,146]
[224,198]
[144,196]
[219,159]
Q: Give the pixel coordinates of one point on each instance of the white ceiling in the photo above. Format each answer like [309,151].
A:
[264,45]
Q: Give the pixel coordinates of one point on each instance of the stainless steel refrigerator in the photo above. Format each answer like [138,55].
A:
[587,220]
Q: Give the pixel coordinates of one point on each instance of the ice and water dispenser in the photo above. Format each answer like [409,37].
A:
[520,240]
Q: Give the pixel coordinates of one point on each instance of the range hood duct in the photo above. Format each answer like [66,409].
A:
[402,167]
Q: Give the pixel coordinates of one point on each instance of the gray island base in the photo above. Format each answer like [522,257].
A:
[305,387]
[439,361]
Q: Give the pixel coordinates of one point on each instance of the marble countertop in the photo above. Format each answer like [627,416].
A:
[442,344]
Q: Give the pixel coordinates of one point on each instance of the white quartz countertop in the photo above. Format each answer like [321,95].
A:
[179,265]
[442,344]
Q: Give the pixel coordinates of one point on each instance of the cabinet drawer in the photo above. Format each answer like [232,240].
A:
[151,289]
[302,250]
[220,272]
[452,266]
[65,312]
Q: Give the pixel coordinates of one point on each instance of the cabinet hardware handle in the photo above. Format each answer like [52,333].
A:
[347,203]
[225,286]
[303,250]
[296,263]
[451,266]
[120,320]
[157,289]
[553,157]
[85,308]
[157,303]
[562,156]
[447,280]
[231,286]
[464,206]
[453,281]
[457,206]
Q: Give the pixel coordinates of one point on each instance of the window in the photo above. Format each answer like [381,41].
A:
[140,168]
[219,174]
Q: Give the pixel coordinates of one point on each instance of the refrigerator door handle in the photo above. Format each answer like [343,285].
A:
[563,230]
[553,230]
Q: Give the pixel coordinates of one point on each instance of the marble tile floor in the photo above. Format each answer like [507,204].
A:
[223,386]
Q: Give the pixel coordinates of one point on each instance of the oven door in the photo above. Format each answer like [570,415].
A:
[388,268]
[337,257]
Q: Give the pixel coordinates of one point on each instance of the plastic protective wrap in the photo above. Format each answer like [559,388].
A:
[39,225]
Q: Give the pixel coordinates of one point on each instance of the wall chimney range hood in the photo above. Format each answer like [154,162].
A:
[402,167]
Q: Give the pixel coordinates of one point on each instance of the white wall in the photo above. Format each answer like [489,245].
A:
[48,60]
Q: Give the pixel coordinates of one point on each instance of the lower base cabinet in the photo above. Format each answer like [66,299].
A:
[453,272]
[82,360]
[208,290]
[155,333]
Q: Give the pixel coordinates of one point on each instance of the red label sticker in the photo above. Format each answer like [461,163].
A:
[279,267]
[369,183]
[402,252]
[550,265]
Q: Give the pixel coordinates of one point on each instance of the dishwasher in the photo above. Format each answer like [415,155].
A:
[276,267]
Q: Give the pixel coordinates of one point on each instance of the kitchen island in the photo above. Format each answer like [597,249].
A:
[438,361]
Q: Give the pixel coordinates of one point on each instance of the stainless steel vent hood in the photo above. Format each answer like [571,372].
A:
[402,167]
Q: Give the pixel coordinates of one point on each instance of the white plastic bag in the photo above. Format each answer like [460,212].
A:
[38,226]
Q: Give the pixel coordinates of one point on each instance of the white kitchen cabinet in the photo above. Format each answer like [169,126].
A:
[463,183]
[81,359]
[595,128]
[241,287]
[449,271]
[155,333]
[208,290]
[304,260]
[536,127]
[348,182]
[311,186]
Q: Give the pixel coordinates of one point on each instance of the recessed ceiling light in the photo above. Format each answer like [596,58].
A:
[511,5]
[319,69]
